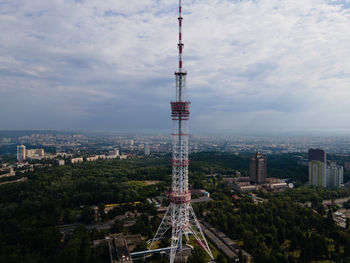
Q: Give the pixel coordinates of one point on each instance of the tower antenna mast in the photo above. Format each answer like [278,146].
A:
[180,217]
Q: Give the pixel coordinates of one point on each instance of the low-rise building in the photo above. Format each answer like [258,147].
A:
[60,162]
[77,160]
[276,184]
[92,158]
[123,157]
[200,196]
[35,153]
[244,185]
[7,172]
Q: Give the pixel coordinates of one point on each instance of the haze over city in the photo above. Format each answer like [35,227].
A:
[262,66]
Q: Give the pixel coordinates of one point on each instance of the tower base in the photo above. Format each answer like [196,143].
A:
[183,222]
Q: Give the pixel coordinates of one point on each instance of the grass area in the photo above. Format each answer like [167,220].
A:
[239,242]
[296,253]
[331,244]
[214,250]
[136,183]
[139,183]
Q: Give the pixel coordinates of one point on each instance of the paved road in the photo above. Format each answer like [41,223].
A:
[227,241]
[218,243]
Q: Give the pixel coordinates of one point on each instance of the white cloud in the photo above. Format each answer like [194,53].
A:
[264,64]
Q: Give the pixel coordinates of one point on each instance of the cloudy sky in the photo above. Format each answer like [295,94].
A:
[253,65]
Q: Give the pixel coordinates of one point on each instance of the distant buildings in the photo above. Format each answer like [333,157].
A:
[114,153]
[258,168]
[21,153]
[321,174]
[127,143]
[258,178]
[5,141]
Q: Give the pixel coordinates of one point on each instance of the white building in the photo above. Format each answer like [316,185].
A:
[92,158]
[77,160]
[318,173]
[325,175]
[334,175]
[60,162]
[114,152]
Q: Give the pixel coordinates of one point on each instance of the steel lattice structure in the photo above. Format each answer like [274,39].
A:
[180,216]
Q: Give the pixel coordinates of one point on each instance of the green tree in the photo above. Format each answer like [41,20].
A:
[87,215]
[221,258]
[197,256]
[117,227]
[141,247]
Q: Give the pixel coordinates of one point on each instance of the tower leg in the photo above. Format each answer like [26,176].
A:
[196,231]
[174,218]
[175,241]
[162,229]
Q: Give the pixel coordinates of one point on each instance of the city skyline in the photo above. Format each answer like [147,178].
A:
[254,65]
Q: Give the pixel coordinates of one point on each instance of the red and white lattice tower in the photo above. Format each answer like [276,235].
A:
[180,216]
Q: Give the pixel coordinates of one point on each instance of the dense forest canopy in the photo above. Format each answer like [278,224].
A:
[278,229]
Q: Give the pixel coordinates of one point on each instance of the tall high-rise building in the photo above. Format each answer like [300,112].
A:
[334,178]
[147,149]
[317,155]
[317,173]
[258,168]
[347,166]
[21,153]
[323,174]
